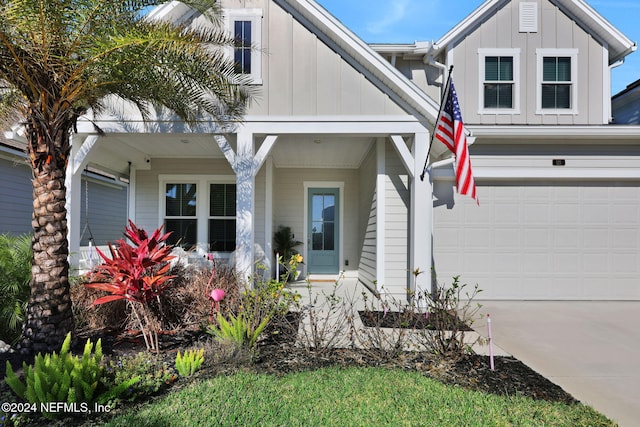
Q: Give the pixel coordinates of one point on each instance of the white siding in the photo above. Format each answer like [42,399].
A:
[289,200]
[557,31]
[147,191]
[396,223]
[368,220]
[303,76]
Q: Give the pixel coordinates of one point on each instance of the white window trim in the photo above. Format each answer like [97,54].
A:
[573,54]
[255,17]
[482,54]
[202,199]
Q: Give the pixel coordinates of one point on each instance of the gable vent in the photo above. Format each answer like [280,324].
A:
[528,17]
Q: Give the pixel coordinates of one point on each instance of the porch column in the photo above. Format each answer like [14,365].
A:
[421,235]
[381,212]
[245,202]
[77,162]
[246,166]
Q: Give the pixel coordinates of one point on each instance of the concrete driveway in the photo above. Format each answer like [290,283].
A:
[590,349]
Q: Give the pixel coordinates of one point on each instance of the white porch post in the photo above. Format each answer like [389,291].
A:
[381,212]
[245,201]
[421,257]
[77,162]
[268,217]
[246,166]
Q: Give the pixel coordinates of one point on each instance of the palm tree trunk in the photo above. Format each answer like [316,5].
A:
[49,314]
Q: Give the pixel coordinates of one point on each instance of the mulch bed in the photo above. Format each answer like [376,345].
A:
[410,320]
[277,356]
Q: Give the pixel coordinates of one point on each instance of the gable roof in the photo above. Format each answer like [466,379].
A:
[350,47]
[618,44]
[363,58]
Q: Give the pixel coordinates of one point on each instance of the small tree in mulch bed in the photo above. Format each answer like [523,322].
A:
[136,273]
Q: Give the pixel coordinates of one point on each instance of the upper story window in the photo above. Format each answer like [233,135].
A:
[499,81]
[557,81]
[245,25]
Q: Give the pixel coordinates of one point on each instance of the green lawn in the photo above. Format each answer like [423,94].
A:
[348,397]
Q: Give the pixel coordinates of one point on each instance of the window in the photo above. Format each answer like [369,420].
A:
[499,81]
[242,51]
[222,217]
[557,85]
[180,216]
[556,82]
[245,25]
[200,211]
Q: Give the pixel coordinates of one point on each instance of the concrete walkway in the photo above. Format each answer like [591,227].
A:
[590,349]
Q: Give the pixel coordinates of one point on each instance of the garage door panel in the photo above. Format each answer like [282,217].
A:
[545,241]
[565,213]
[567,238]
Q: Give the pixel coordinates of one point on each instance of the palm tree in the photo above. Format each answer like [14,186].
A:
[61,59]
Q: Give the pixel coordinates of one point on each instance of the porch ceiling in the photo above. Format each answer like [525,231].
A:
[114,151]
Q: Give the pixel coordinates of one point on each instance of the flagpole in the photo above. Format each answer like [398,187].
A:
[444,96]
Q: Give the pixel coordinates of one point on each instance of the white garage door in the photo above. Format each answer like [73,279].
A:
[557,241]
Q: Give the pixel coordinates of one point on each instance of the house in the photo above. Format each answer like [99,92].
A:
[559,186]
[335,143]
[626,105]
[103,219]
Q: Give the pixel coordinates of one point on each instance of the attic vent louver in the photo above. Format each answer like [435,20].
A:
[528,17]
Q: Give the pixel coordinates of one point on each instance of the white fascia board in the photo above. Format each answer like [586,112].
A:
[329,127]
[580,11]
[366,125]
[461,29]
[567,132]
[364,59]
[393,48]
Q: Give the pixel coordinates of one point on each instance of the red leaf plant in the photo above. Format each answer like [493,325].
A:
[137,273]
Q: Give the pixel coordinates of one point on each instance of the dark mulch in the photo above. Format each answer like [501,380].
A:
[277,356]
[411,320]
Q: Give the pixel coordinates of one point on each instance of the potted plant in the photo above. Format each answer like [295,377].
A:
[284,245]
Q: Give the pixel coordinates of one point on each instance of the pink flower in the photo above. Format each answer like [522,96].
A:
[217,295]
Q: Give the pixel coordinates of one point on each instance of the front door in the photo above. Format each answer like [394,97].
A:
[323,256]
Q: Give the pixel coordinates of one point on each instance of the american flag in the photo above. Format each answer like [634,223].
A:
[450,131]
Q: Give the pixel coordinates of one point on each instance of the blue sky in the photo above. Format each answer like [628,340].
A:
[405,21]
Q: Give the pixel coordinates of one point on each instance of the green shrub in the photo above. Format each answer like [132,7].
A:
[242,330]
[149,373]
[15,275]
[268,299]
[188,364]
[60,377]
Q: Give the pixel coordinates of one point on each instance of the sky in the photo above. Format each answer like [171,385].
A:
[406,21]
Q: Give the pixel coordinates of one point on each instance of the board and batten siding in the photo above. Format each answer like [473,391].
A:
[16,196]
[397,195]
[368,220]
[556,31]
[302,76]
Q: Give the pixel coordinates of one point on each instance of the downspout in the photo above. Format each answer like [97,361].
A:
[610,105]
